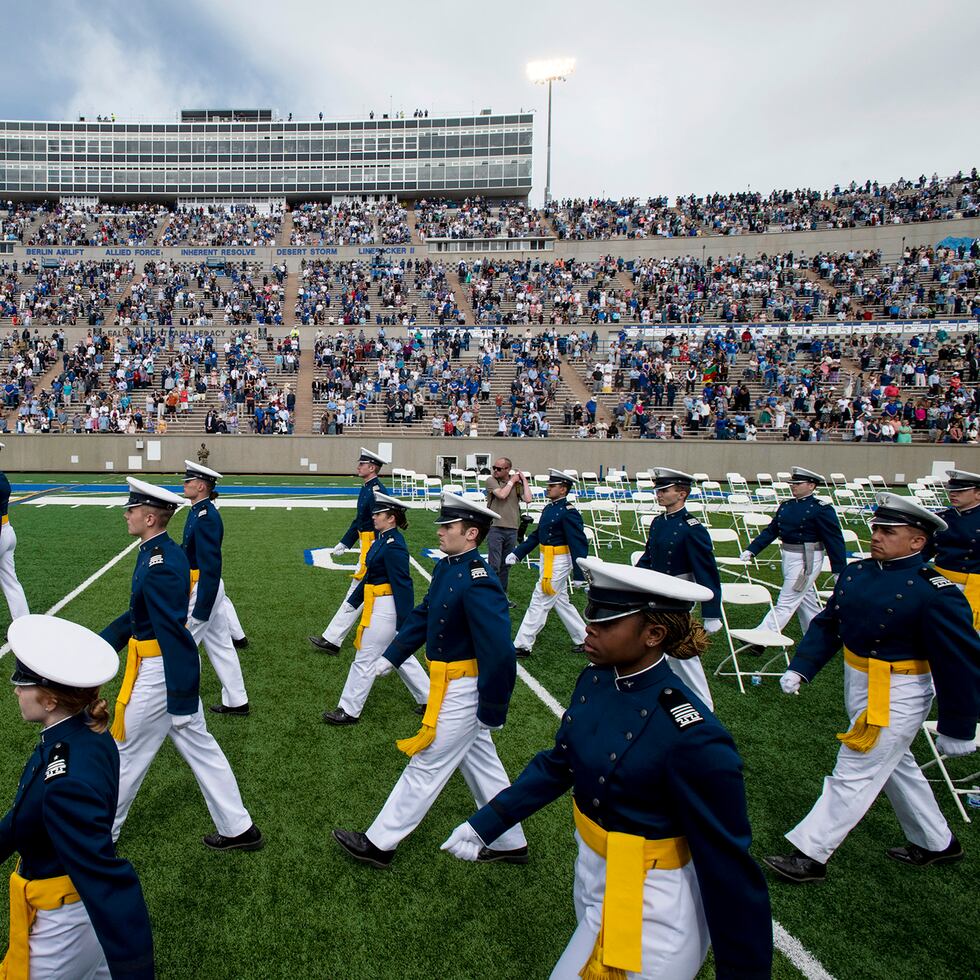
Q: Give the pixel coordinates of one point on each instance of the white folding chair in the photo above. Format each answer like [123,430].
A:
[644,503]
[605,521]
[838,479]
[737,483]
[958,787]
[782,490]
[766,498]
[728,564]
[701,477]
[744,594]
[635,556]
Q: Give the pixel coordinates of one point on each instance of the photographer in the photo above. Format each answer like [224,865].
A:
[505,491]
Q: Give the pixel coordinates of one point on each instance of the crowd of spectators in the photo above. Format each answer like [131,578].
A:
[130,226]
[236,224]
[478,217]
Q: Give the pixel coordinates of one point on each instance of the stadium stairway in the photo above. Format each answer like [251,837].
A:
[412,225]
[462,295]
[285,231]
[579,391]
[303,413]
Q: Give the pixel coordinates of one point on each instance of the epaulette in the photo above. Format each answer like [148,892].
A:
[680,709]
[57,762]
[203,512]
[477,570]
[936,579]
[693,521]
[156,558]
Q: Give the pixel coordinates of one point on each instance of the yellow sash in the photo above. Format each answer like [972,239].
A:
[26,897]
[619,946]
[548,553]
[5,519]
[195,576]
[863,735]
[370,593]
[366,539]
[441,673]
[971,581]
[136,653]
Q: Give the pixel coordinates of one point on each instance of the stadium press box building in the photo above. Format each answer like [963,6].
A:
[247,155]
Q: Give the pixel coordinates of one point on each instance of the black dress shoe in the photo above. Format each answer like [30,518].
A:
[522,653]
[796,867]
[340,717]
[419,709]
[511,605]
[325,645]
[578,648]
[921,858]
[517,856]
[360,848]
[240,644]
[251,840]
[224,709]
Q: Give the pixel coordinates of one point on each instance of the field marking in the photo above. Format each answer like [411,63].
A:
[61,603]
[784,941]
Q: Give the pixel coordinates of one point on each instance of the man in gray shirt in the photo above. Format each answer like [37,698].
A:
[505,491]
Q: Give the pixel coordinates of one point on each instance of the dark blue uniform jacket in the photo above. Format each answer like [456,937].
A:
[387,564]
[958,547]
[61,824]
[560,524]
[805,521]
[203,533]
[362,519]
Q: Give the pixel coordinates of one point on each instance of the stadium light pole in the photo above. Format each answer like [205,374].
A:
[545,73]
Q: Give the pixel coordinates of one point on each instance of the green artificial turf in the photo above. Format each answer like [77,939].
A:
[301,908]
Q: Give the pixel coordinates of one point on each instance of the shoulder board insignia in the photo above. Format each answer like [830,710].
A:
[156,560]
[680,709]
[203,512]
[57,763]
[477,570]
[934,578]
[693,521]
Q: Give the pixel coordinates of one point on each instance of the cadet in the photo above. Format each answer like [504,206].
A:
[464,623]
[361,532]
[76,907]
[561,536]
[12,589]
[956,551]
[903,627]
[807,529]
[159,693]
[658,798]
[387,596]
[680,545]
[207,619]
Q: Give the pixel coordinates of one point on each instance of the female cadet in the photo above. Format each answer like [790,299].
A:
[76,908]
[386,596]
[663,834]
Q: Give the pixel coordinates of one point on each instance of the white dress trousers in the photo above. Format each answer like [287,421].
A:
[63,946]
[231,614]
[12,589]
[691,672]
[675,932]
[147,725]
[805,602]
[374,642]
[461,744]
[215,634]
[859,777]
[541,604]
[344,618]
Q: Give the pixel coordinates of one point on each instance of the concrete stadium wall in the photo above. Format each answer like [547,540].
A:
[327,455]
[889,239]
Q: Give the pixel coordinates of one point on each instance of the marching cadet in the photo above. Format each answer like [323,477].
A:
[12,589]
[663,833]
[76,907]
[680,545]
[387,596]
[207,619]
[464,623]
[562,540]
[903,627]
[360,532]
[956,551]
[808,530]
[159,695]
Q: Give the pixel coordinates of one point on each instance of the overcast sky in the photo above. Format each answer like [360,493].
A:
[667,97]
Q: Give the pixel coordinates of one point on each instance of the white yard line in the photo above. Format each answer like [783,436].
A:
[785,942]
[61,603]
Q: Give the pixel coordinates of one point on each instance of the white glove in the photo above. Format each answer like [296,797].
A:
[790,682]
[712,625]
[463,843]
[338,549]
[746,555]
[955,746]
[511,559]
[383,667]
[181,721]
